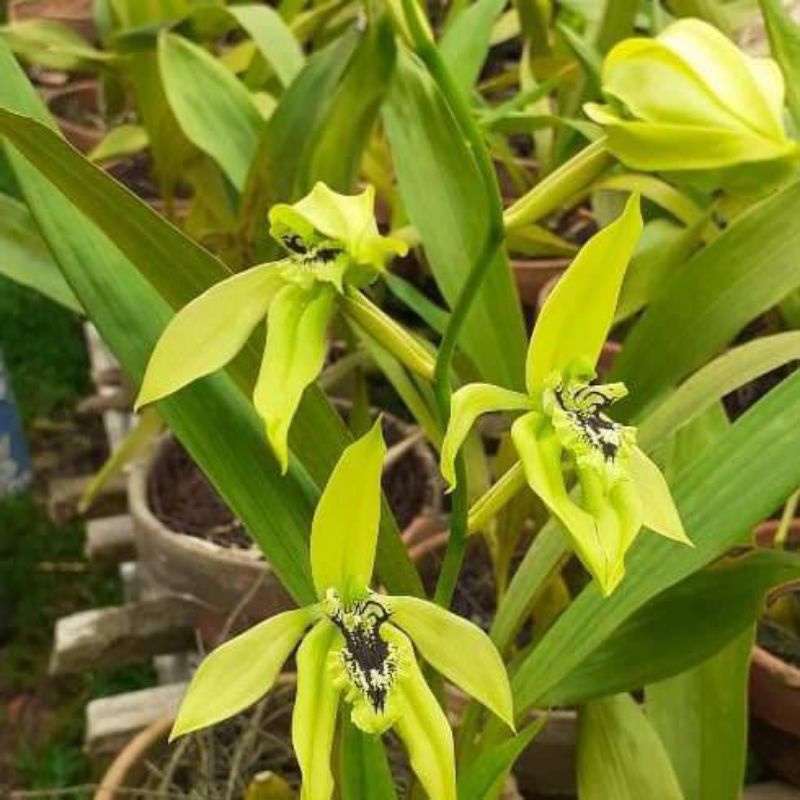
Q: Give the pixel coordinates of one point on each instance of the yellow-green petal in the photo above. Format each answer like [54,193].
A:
[239,672]
[208,332]
[293,357]
[658,508]
[426,734]
[576,317]
[540,451]
[346,219]
[344,533]
[458,649]
[467,405]
[315,710]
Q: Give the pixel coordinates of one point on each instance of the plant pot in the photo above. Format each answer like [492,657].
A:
[76,14]
[774,690]
[532,275]
[190,543]
[76,109]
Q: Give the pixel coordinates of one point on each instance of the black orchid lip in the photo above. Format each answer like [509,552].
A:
[307,254]
[584,408]
[370,661]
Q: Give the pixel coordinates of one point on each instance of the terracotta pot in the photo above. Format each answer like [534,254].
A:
[532,275]
[84,95]
[225,579]
[76,14]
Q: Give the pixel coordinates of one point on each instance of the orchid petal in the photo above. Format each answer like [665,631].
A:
[208,332]
[241,671]
[576,317]
[467,405]
[293,357]
[344,533]
[458,649]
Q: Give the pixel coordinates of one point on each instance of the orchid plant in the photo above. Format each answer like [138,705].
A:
[358,647]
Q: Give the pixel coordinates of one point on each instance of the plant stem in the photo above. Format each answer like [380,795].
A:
[442,376]
[502,492]
[570,179]
[786,519]
[396,339]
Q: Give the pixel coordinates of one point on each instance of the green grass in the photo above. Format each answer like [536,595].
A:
[44,349]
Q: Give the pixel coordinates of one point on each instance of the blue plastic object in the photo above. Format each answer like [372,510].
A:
[15,463]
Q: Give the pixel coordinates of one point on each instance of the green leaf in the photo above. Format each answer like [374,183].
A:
[749,268]
[273,38]
[344,531]
[208,332]
[701,717]
[784,42]
[315,708]
[365,773]
[297,341]
[467,405]
[667,636]
[620,755]
[337,148]
[443,638]
[151,243]
[736,482]
[577,315]
[712,382]
[54,45]
[465,44]
[482,777]
[444,197]
[239,672]
[26,259]
[123,140]
[213,108]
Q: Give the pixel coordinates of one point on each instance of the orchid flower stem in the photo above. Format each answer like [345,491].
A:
[401,344]
[571,179]
[442,377]
[502,492]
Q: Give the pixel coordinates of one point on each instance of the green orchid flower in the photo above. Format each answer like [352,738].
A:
[358,647]
[565,426]
[333,247]
[690,100]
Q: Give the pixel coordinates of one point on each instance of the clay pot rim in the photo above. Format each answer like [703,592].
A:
[140,506]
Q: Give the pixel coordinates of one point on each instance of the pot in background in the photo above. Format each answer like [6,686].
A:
[75,14]
[72,107]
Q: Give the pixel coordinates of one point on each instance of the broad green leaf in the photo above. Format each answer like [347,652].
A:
[425,731]
[213,108]
[577,315]
[483,777]
[208,332]
[285,142]
[443,639]
[658,508]
[51,44]
[273,37]
[123,140]
[467,405]
[620,755]
[344,530]
[337,148]
[701,717]
[150,243]
[749,268]
[667,635]
[444,197]
[712,382]
[315,709]
[364,769]
[26,259]
[465,44]
[297,341]
[735,483]
[239,672]
[784,42]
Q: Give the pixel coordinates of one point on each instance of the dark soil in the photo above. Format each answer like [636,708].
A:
[778,641]
[135,172]
[743,398]
[184,500]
